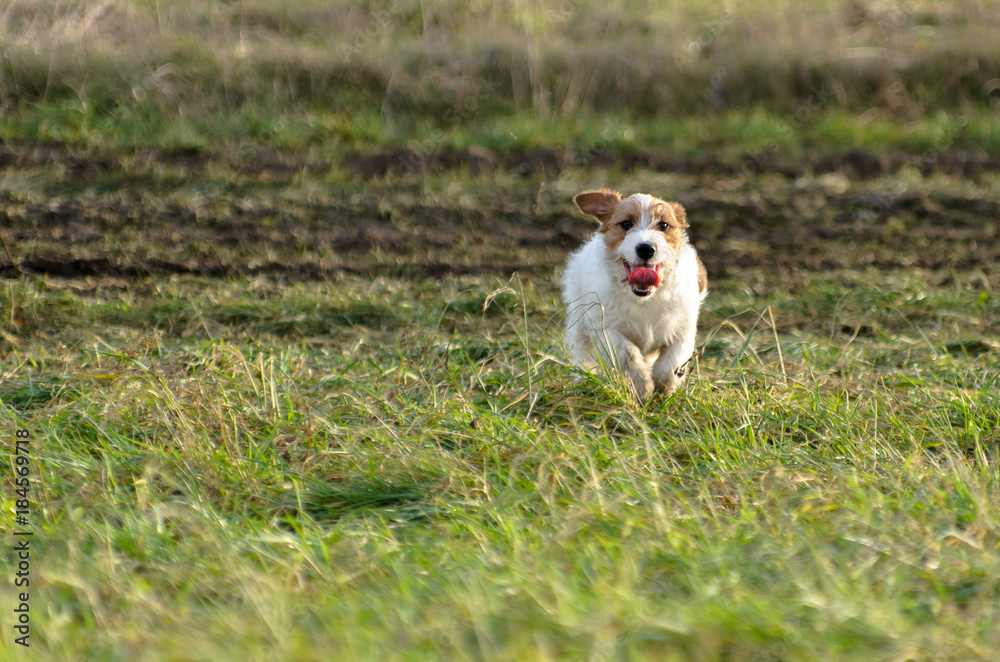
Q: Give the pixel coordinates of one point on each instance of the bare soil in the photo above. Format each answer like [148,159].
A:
[131,232]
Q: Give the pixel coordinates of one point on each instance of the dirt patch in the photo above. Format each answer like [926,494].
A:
[856,164]
[538,163]
[89,166]
[131,236]
[81,239]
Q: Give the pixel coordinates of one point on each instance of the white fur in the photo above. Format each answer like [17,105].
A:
[648,338]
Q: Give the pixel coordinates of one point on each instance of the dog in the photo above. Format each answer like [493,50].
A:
[633,291]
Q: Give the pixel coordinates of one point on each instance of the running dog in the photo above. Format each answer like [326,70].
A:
[633,291]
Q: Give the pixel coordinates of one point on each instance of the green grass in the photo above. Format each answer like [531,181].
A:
[287,405]
[324,136]
[427,481]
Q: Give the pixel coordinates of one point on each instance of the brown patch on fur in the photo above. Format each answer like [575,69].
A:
[600,204]
[614,233]
[702,277]
[676,218]
[680,214]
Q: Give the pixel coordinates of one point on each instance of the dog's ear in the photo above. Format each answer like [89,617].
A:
[680,215]
[600,203]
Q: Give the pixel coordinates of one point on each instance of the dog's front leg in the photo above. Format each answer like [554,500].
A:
[630,361]
[672,365]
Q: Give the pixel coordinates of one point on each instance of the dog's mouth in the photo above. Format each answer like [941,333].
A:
[642,278]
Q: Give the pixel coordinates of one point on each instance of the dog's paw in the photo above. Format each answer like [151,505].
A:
[669,382]
[642,386]
[667,388]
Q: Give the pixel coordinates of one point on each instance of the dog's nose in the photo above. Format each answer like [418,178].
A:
[644,251]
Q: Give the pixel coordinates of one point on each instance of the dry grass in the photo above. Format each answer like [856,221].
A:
[408,58]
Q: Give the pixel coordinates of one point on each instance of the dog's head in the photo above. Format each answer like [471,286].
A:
[641,232]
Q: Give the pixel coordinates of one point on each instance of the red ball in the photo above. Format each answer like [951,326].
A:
[644,278]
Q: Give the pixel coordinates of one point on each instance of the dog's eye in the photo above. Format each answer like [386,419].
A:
[662,226]
[626,225]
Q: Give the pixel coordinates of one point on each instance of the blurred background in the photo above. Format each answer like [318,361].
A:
[186,112]
[280,308]
[432,76]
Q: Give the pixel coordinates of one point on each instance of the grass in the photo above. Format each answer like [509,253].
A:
[325,136]
[291,355]
[501,77]
[413,478]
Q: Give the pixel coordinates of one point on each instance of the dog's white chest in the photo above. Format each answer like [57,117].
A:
[655,324]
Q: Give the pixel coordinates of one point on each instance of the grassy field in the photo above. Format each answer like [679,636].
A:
[279,309]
